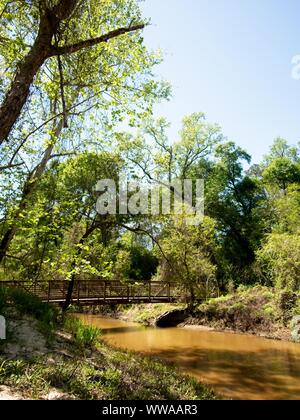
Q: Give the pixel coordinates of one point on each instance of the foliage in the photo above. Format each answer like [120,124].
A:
[28,304]
[66,136]
[282,172]
[280,258]
[250,233]
[185,257]
[232,199]
[249,309]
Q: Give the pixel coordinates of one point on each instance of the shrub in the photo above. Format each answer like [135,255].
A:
[269,311]
[32,305]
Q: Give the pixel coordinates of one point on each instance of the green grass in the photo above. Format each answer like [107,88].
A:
[259,309]
[113,375]
[84,336]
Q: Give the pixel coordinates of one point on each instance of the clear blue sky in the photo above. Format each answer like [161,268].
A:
[232,60]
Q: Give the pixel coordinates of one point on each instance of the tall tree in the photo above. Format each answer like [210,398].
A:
[86,95]
[57,29]
[161,160]
[281,166]
[231,199]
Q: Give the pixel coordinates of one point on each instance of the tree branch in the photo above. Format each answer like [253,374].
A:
[24,140]
[11,166]
[58,155]
[70,49]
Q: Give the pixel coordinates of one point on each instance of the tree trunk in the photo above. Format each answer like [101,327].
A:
[20,87]
[71,284]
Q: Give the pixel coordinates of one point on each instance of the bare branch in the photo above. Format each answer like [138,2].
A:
[11,166]
[58,155]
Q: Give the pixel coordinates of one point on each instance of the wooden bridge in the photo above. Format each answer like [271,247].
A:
[100,292]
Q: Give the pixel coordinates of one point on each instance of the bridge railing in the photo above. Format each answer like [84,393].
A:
[100,291]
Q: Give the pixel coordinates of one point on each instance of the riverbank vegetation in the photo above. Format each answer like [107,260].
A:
[254,310]
[50,357]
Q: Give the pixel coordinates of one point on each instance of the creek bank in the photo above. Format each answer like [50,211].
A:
[255,310]
[145,314]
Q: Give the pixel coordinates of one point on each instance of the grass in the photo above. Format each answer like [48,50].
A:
[24,303]
[111,375]
[84,336]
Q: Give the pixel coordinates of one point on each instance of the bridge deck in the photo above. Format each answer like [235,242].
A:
[99,292]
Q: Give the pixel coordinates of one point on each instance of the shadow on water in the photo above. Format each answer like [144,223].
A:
[236,366]
[120,330]
[265,375]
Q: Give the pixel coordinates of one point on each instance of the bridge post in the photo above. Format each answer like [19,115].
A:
[149,291]
[49,290]
[169,292]
[104,290]
[78,292]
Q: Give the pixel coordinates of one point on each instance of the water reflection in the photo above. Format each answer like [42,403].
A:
[237,366]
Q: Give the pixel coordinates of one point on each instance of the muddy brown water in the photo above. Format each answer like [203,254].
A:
[236,366]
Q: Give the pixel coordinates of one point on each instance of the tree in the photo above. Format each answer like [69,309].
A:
[185,257]
[84,94]
[281,149]
[152,155]
[232,199]
[279,259]
[281,166]
[54,28]
[279,256]
[142,261]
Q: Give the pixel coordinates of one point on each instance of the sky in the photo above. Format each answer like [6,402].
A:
[232,60]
